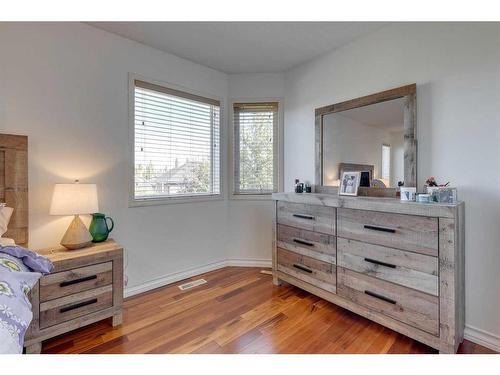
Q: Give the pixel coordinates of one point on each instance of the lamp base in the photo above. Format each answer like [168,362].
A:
[77,235]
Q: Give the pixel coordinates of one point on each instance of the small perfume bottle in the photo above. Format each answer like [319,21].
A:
[299,186]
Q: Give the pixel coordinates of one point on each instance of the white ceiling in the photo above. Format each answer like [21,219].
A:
[386,115]
[243,47]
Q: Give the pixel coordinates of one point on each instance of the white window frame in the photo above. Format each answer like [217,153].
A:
[384,145]
[278,164]
[133,202]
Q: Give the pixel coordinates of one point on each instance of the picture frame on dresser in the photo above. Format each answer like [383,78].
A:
[349,183]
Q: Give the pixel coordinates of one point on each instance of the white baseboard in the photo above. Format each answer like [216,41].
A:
[482,337]
[249,263]
[178,276]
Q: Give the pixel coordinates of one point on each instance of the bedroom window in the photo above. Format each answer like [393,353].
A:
[255,148]
[386,162]
[176,144]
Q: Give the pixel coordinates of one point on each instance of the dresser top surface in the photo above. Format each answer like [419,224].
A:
[372,204]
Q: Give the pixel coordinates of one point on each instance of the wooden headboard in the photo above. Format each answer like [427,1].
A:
[14,184]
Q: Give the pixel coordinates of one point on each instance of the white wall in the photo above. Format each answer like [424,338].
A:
[397,158]
[250,222]
[65,86]
[346,140]
[457,71]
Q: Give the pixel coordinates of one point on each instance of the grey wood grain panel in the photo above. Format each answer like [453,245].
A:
[274,249]
[407,305]
[319,273]
[405,268]
[389,205]
[378,97]
[412,233]
[71,307]
[451,292]
[450,305]
[77,280]
[314,218]
[318,150]
[409,93]
[410,140]
[315,245]
[117,290]
[70,325]
[34,327]
[387,321]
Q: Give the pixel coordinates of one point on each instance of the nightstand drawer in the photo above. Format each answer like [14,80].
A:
[76,280]
[76,305]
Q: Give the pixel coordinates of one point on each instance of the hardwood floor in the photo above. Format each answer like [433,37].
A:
[237,311]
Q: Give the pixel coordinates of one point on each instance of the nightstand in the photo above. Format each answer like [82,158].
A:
[85,286]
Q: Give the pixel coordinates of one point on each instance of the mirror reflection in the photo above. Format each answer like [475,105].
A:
[367,139]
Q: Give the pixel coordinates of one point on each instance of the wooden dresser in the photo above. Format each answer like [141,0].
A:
[400,264]
[85,286]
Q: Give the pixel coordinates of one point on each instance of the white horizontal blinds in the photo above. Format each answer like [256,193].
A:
[255,148]
[176,143]
[386,162]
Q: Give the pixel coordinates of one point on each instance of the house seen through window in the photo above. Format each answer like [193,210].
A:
[176,143]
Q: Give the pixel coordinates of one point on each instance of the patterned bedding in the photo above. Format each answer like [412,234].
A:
[20,269]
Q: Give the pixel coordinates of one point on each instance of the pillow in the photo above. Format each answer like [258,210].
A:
[7,241]
[5,214]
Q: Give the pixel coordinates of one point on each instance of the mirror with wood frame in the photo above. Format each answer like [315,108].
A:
[374,135]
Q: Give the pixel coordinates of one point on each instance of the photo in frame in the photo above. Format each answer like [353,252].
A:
[349,183]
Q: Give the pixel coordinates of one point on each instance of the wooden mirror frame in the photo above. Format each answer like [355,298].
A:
[409,93]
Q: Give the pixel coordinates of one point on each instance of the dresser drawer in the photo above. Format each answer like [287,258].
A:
[405,268]
[76,305]
[311,217]
[312,244]
[310,270]
[409,306]
[413,233]
[76,280]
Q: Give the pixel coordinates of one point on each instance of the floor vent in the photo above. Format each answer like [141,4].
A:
[192,284]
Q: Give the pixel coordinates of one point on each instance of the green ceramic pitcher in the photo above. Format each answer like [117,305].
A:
[99,229]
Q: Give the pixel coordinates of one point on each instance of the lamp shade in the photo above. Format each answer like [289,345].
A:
[74,199]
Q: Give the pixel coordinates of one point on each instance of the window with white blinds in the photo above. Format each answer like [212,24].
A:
[255,148]
[176,143]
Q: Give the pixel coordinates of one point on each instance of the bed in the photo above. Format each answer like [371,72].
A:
[20,268]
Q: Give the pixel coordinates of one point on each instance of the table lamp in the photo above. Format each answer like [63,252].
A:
[75,199]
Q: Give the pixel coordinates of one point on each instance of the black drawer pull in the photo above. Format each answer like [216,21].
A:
[380,229]
[78,305]
[371,294]
[296,240]
[300,216]
[302,268]
[77,281]
[379,263]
